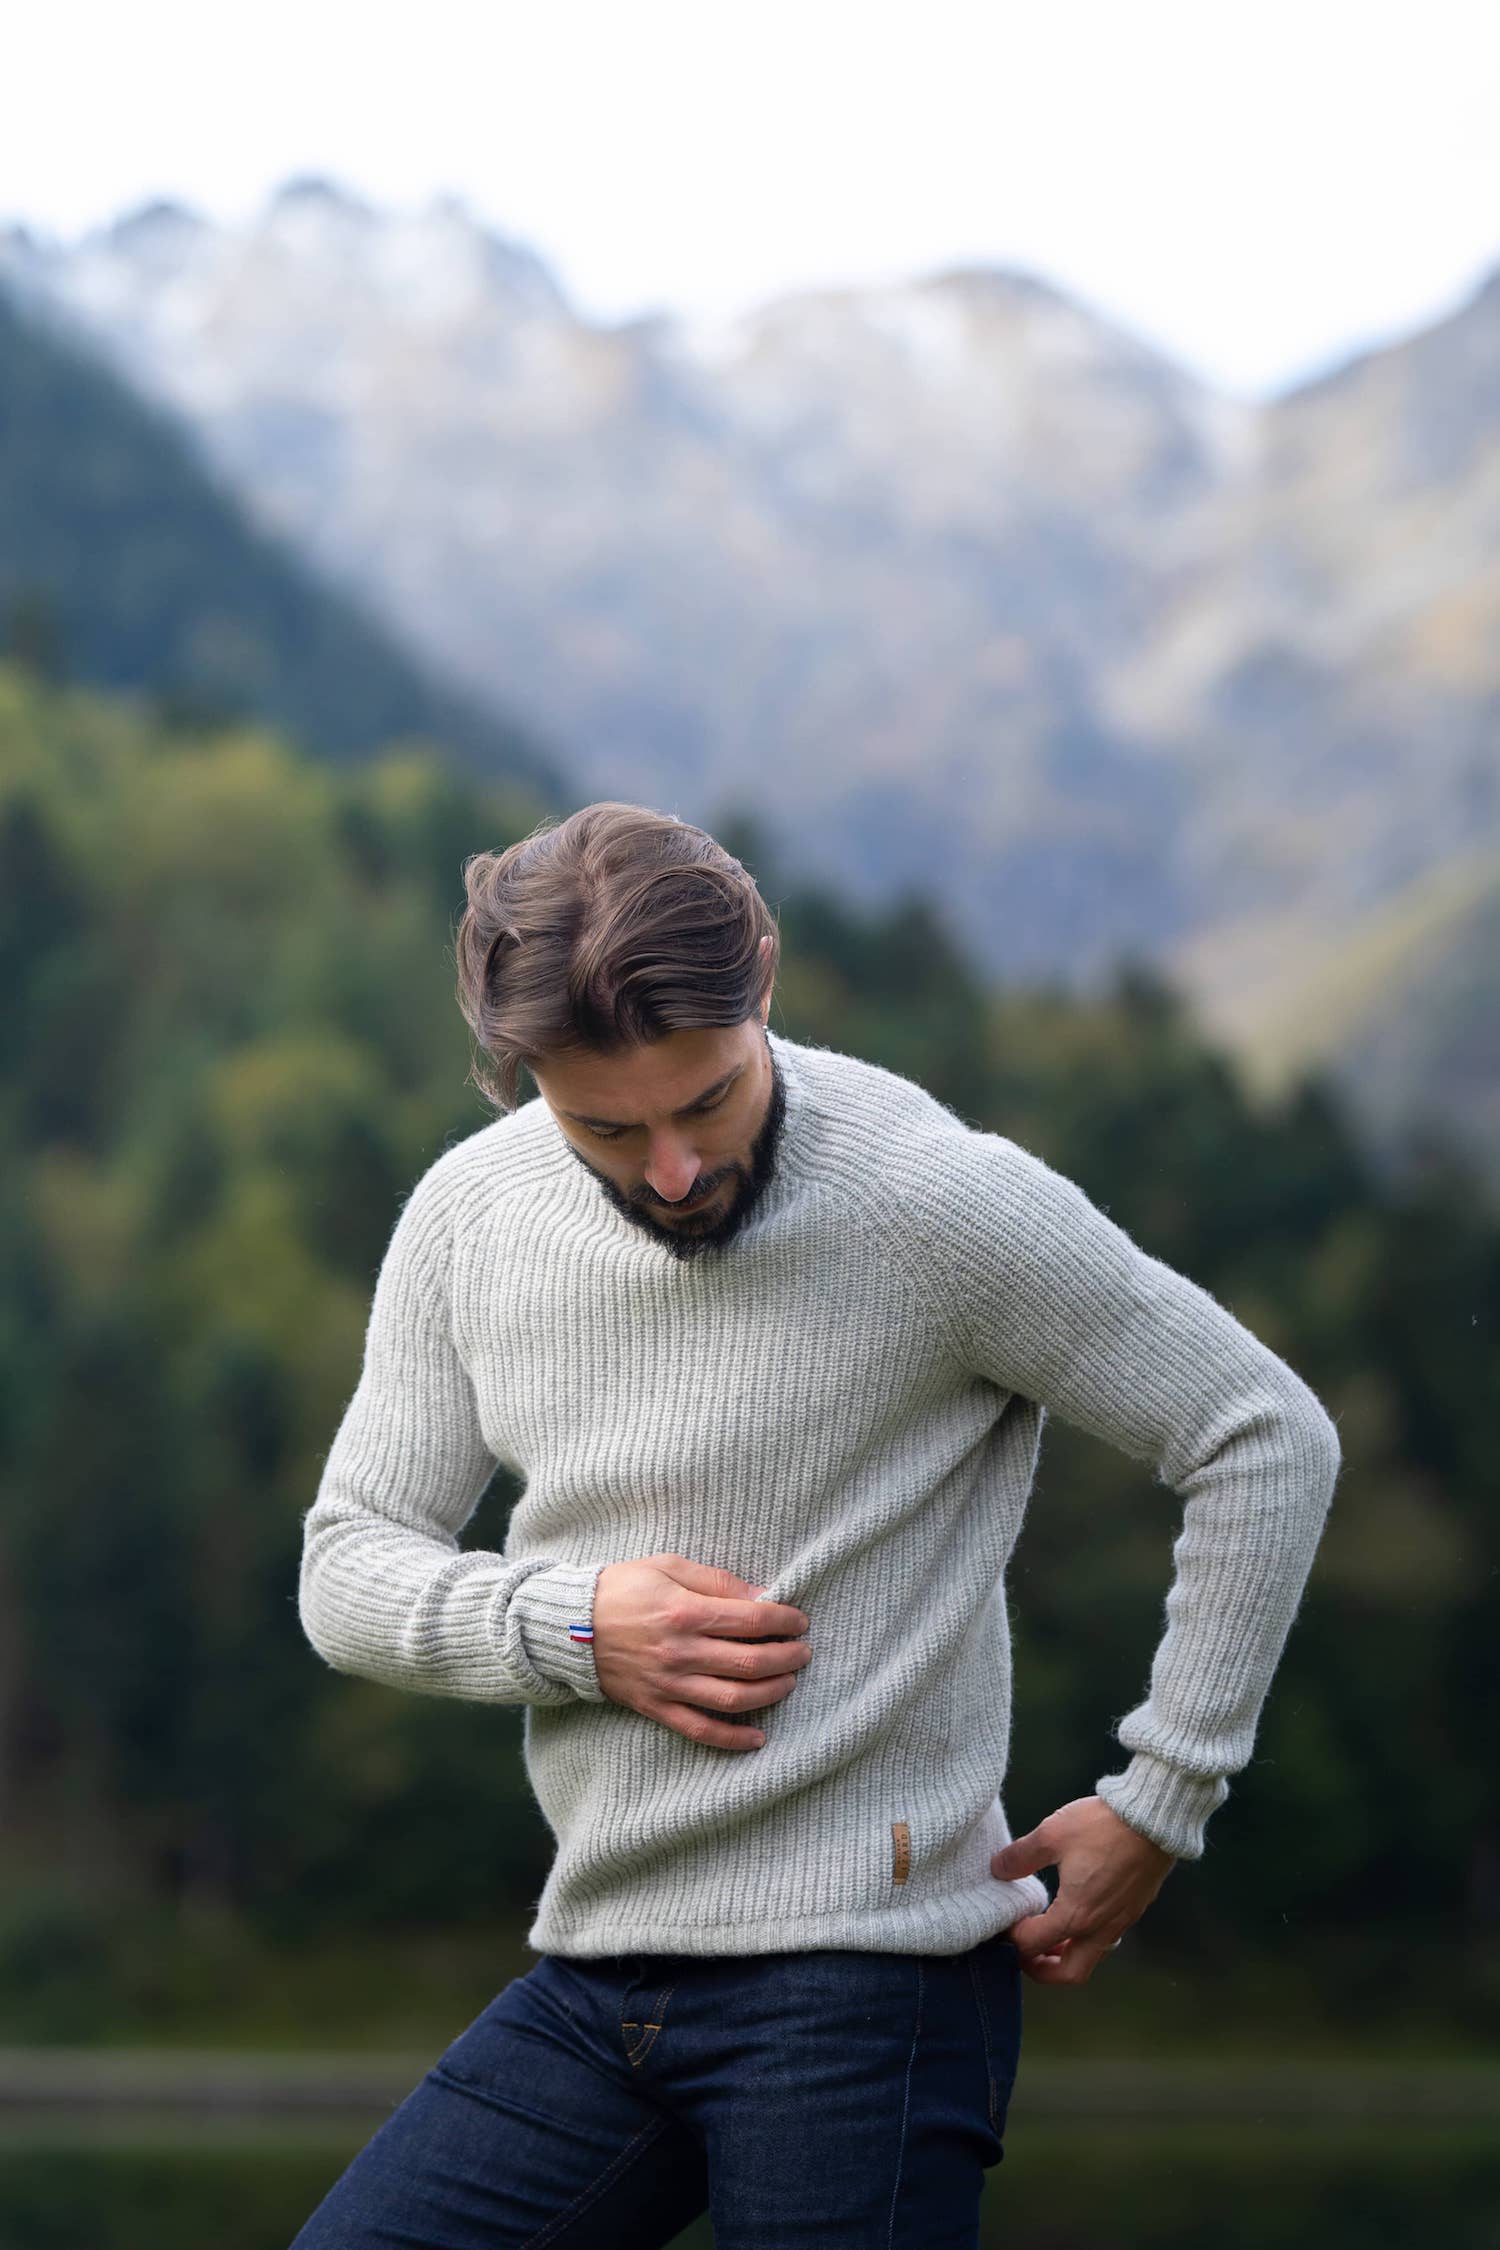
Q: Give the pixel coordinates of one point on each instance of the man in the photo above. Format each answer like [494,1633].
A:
[769,1335]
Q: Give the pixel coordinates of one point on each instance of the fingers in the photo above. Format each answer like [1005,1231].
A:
[700,1719]
[733,1611]
[732,1695]
[1037,1934]
[709,1654]
[698,1726]
[1052,1953]
[1042,1967]
[704,1578]
[1072,1961]
[754,1621]
[744,1660]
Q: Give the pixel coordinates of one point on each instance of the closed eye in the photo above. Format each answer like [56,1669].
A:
[618,1132]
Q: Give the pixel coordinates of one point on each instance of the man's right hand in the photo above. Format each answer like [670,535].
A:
[671,1635]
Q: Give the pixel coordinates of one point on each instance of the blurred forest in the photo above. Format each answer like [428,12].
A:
[229,1046]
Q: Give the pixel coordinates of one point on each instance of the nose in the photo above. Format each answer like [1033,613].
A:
[671,1169]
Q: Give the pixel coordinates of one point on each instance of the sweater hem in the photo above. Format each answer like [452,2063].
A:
[954,1923]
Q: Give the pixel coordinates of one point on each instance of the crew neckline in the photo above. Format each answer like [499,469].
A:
[798,1099]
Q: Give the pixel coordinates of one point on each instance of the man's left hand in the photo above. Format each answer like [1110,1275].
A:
[1108,1874]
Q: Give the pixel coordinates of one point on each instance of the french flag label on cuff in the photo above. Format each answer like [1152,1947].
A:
[580,1632]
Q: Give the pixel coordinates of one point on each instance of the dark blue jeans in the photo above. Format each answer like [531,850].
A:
[848,2100]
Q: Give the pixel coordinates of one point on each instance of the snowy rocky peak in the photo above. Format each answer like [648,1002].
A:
[980,374]
[438,264]
[161,236]
[271,334]
[318,275]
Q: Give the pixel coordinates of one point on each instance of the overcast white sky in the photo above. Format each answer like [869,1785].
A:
[1257,188]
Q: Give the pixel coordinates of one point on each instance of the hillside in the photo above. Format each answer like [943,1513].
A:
[125,560]
[1406,998]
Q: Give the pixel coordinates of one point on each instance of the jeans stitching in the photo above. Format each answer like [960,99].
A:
[637,2054]
[906,2104]
[989,2056]
[589,2196]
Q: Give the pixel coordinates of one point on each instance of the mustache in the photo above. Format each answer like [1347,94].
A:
[641,1206]
[699,1192]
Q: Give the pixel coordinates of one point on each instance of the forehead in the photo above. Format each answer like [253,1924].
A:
[663,1076]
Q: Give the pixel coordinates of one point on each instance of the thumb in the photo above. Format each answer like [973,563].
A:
[1024,1855]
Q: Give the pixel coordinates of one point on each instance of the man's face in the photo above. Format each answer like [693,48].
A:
[680,1134]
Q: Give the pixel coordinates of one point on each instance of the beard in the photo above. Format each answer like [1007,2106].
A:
[690,1237]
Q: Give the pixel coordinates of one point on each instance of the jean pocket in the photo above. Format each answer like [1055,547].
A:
[995,1975]
[640,2022]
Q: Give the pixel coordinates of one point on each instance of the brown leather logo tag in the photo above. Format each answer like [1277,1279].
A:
[901,1841]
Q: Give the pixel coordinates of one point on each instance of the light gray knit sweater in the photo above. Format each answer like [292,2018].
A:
[844,1404]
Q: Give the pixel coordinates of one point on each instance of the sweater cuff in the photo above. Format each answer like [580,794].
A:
[1163,1802]
[554,1611]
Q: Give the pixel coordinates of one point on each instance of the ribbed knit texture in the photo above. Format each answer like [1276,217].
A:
[844,1404]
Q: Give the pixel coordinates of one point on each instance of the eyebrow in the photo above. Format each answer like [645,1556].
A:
[615,1125]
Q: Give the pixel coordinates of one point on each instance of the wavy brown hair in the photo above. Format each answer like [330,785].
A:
[605,930]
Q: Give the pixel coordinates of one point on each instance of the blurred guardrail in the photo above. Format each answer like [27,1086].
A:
[119,2082]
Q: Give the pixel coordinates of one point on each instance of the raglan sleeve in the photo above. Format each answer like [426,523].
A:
[385,1591]
[1053,1300]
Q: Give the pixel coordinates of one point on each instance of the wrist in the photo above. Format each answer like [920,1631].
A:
[553,1610]
[1167,1804]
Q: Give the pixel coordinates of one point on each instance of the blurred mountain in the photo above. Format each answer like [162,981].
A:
[126,561]
[857,556]
[964,588]
[1335,649]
